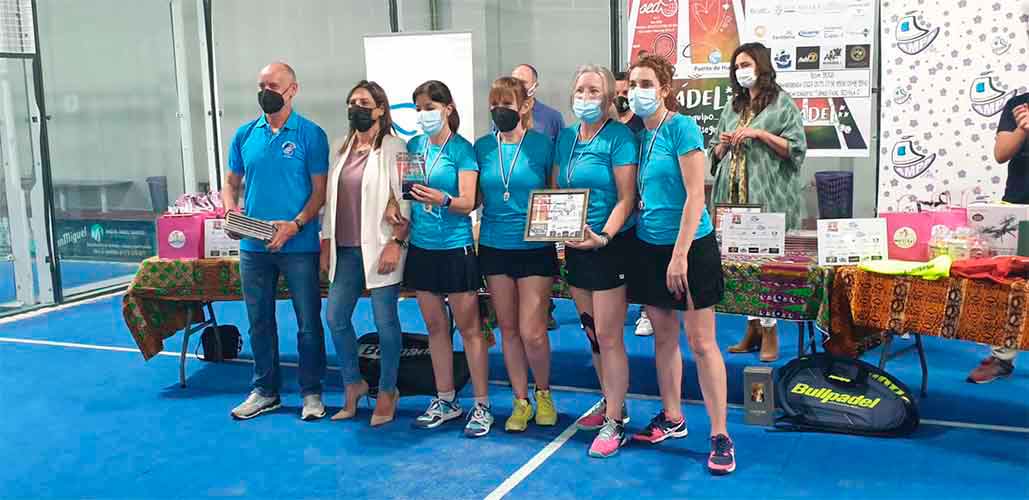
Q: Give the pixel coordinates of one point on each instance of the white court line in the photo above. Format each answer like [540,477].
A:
[523,472]
[649,397]
[47,310]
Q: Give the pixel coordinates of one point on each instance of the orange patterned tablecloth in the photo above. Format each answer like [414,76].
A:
[864,304]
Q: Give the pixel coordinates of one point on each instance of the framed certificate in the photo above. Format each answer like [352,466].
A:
[755,234]
[412,171]
[557,215]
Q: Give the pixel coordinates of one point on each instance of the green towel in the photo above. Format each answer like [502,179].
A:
[932,270]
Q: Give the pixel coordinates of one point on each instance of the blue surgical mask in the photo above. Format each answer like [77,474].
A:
[587,111]
[643,102]
[431,121]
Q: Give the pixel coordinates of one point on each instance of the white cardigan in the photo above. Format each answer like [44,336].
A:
[380,178]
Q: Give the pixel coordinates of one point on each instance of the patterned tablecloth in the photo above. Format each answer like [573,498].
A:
[865,304]
[163,292]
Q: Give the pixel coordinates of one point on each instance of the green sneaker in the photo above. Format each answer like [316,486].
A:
[520,416]
[546,413]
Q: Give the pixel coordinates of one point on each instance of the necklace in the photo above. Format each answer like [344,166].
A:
[572,161]
[506,180]
[428,172]
[650,150]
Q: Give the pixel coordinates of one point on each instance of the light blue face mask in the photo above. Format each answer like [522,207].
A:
[587,111]
[430,121]
[643,102]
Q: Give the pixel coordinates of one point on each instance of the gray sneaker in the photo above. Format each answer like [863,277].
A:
[255,405]
[313,407]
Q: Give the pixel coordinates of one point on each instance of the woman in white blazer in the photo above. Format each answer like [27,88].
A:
[364,244]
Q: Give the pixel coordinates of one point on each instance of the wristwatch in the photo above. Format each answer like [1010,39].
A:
[446,201]
[299,223]
[605,237]
[398,241]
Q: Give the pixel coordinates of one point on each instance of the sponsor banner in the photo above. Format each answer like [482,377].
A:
[106,240]
[951,68]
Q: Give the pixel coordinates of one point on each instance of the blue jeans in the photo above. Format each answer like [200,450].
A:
[259,272]
[347,287]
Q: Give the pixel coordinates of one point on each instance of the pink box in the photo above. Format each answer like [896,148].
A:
[181,236]
[908,233]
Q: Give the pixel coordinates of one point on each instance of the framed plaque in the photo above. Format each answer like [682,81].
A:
[412,171]
[557,215]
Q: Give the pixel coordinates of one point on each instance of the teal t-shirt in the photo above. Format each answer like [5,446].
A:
[439,229]
[503,221]
[660,184]
[591,165]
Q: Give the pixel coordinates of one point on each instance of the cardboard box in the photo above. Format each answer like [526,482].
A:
[758,396]
[217,244]
[181,236]
[998,225]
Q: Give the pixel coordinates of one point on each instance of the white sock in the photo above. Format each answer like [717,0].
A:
[447,396]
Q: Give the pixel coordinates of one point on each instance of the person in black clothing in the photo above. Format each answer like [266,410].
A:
[1011,147]
[625,115]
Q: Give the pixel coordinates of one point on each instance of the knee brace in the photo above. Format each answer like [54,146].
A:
[591,331]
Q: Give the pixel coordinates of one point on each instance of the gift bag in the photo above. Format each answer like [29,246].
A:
[908,235]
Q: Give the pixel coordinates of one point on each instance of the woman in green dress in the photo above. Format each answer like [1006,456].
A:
[756,157]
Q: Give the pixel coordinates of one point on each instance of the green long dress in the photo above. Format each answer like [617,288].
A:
[769,180]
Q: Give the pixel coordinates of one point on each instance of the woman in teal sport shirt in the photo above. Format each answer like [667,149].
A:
[677,272]
[442,261]
[599,153]
[519,274]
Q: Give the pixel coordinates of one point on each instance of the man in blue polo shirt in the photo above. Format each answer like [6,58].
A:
[282,160]
[545,119]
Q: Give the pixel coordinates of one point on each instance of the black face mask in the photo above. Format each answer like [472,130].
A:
[361,118]
[506,119]
[622,104]
[271,102]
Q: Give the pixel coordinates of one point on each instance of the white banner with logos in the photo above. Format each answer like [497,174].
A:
[949,68]
[822,52]
[401,62]
[821,49]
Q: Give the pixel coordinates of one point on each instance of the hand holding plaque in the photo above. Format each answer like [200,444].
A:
[412,171]
[557,215]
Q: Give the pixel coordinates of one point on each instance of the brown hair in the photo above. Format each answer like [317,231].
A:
[438,92]
[506,86]
[768,90]
[664,71]
[381,101]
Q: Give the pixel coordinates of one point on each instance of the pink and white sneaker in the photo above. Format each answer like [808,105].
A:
[722,459]
[595,418]
[611,437]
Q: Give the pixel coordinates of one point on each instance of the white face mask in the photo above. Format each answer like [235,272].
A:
[531,92]
[746,77]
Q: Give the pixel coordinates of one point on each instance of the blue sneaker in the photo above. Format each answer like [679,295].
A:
[438,413]
[480,420]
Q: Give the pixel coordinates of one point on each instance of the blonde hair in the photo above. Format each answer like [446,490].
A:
[511,86]
[609,86]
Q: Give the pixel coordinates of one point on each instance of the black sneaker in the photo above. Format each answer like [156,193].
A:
[722,459]
[660,429]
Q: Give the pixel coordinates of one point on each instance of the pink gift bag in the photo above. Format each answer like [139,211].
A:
[907,235]
[182,236]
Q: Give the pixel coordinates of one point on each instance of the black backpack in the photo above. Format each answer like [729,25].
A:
[231,341]
[415,376]
[821,392]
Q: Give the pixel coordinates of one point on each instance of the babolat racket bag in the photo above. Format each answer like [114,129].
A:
[821,392]
[415,376]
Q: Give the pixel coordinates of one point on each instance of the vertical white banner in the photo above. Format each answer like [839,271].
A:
[948,69]
[401,62]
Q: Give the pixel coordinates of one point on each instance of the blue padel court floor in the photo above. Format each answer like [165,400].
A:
[74,273]
[84,416]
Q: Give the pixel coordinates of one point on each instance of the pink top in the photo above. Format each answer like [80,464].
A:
[348,204]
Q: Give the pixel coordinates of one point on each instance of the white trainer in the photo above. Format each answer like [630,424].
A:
[643,326]
[313,407]
[255,405]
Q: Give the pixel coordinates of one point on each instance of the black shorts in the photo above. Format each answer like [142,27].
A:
[600,269]
[648,286]
[442,271]
[519,264]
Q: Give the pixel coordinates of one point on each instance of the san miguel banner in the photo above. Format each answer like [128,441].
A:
[952,67]
[822,51]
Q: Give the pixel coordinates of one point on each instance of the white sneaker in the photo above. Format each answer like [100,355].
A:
[313,407]
[255,405]
[643,326]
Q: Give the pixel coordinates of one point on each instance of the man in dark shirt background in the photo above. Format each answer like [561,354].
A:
[1011,147]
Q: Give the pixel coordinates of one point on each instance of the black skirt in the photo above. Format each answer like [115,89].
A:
[648,285]
[600,269]
[442,271]
[519,264]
